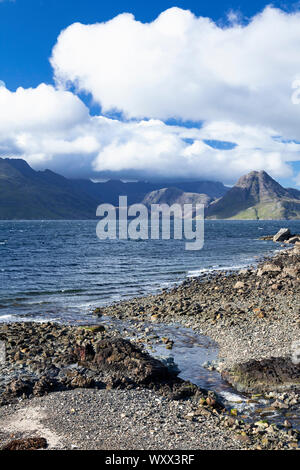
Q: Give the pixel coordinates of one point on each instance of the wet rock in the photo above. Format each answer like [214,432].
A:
[94,328]
[19,387]
[81,381]
[85,353]
[178,389]
[43,386]
[97,312]
[125,359]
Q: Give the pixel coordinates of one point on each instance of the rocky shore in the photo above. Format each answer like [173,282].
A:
[252,314]
[73,382]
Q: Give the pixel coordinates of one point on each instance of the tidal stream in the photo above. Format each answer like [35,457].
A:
[195,356]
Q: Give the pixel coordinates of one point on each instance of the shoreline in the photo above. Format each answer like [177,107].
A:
[221,308]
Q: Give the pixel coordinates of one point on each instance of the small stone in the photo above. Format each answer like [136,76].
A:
[210,401]
[239,285]
[243,438]
[154,317]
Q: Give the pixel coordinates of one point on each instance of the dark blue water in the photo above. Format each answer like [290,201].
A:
[61,270]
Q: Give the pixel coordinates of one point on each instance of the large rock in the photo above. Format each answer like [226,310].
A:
[273,374]
[31,443]
[293,240]
[122,359]
[123,365]
[283,234]
[269,268]
[292,271]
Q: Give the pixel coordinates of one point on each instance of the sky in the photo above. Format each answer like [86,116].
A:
[163,90]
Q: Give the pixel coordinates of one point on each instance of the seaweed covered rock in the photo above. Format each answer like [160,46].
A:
[123,359]
[125,365]
[273,374]
[31,443]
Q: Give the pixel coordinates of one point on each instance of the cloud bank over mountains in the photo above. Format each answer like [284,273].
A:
[235,79]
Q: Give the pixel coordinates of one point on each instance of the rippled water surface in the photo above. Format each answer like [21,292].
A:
[61,270]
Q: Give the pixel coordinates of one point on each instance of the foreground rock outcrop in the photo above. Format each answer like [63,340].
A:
[47,357]
[267,375]
[31,443]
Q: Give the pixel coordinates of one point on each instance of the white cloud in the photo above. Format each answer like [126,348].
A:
[52,128]
[39,108]
[188,67]
[237,79]
[153,148]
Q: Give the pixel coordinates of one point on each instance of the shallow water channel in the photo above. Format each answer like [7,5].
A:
[195,356]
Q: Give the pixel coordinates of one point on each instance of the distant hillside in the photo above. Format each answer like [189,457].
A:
[256,196]
[29,194]
[175,196]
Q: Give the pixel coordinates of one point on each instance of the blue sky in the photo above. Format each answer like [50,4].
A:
[29,28]
[189,140]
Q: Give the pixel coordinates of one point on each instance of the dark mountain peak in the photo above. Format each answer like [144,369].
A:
[256,195]
[7,171]
[260,186]
[252,177]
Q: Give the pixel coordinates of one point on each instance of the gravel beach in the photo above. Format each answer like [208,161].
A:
[114,419]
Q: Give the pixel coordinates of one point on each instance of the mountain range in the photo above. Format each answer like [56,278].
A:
[29,194]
